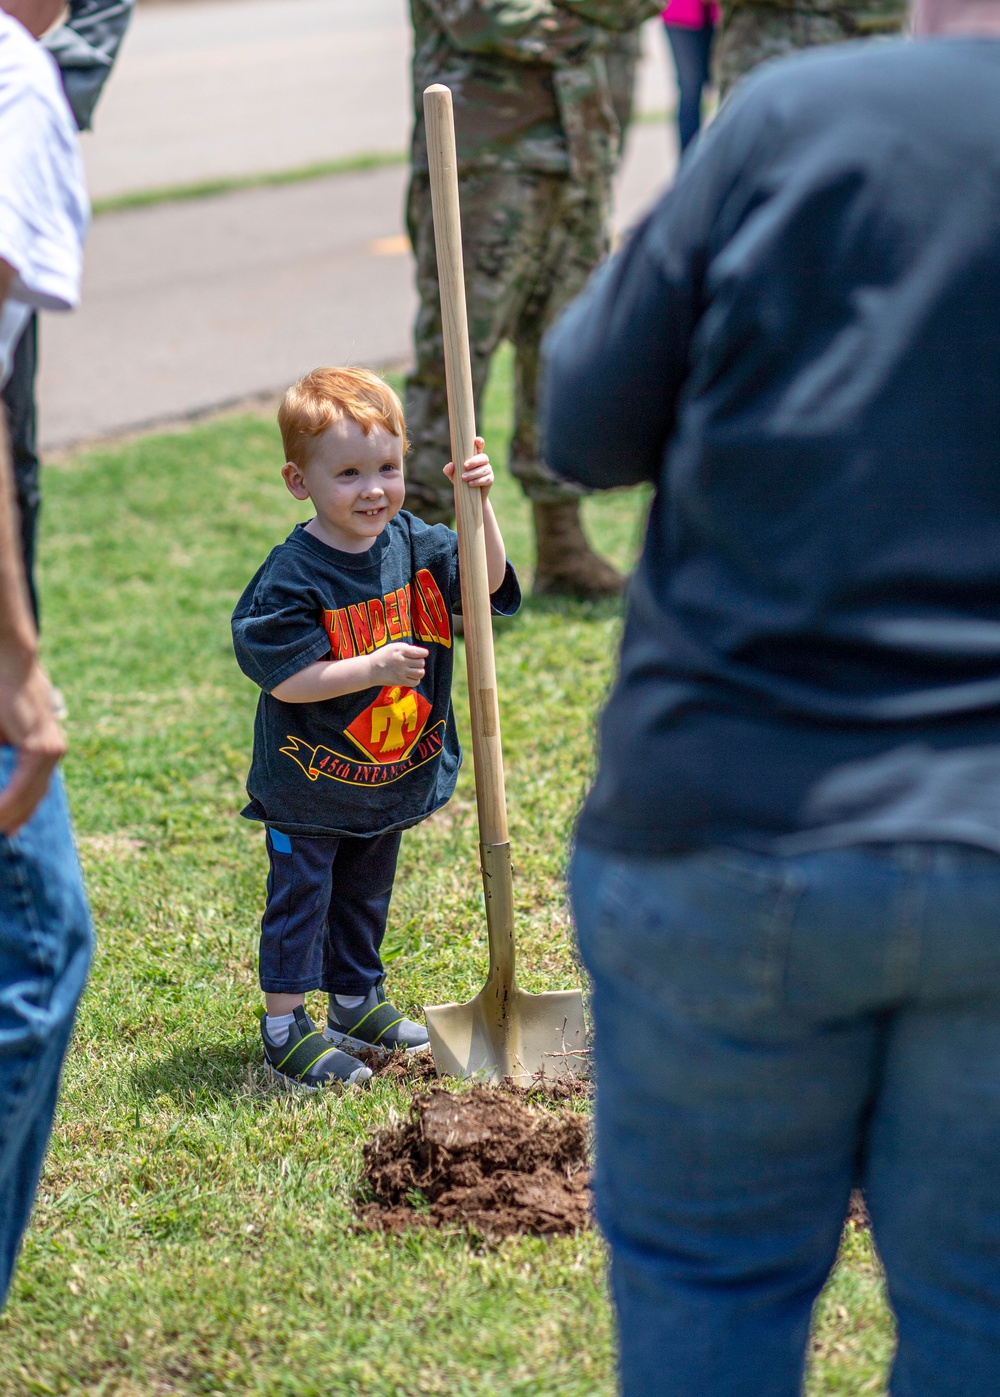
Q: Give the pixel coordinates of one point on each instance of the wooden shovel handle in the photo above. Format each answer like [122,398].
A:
[486,750]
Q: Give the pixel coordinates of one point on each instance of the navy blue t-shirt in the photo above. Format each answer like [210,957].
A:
[380,759]
[800,350]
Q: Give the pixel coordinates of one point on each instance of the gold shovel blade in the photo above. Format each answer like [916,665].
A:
[538,1034]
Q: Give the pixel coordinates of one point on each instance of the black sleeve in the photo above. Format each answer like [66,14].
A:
[277,629]
[615,363]
[506,600]
[436,546]
[85,47]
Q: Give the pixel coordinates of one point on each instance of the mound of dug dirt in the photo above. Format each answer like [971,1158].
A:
[481,1160]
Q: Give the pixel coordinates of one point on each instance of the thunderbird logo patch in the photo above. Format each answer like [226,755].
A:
[389,728]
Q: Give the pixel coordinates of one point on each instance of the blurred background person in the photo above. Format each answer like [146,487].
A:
[539,138]
[690,29]
[622,57]
[85,47]
[752,31]
[45,937]
[787,871]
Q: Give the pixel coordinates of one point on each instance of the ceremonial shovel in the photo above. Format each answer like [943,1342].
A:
[504,1031]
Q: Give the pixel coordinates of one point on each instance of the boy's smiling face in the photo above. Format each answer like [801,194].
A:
[354,481]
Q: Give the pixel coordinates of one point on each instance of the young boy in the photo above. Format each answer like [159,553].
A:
[347,630]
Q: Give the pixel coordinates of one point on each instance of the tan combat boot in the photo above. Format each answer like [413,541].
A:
[567,565]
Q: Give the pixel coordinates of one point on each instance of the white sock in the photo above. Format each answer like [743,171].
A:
[350,1001]
[276,1027]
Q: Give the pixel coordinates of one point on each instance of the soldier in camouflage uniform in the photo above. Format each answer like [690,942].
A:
[753,31]
[622,57]
[538,86]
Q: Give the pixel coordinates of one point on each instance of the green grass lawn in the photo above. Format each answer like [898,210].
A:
[194,1231]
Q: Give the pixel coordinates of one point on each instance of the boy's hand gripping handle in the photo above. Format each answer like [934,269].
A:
[476,611]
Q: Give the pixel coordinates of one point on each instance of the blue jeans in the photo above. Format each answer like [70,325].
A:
[692,50]
[45,947]
[768,1032]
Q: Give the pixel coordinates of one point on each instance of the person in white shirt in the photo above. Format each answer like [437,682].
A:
[45,935]
[85,46]
[43,202]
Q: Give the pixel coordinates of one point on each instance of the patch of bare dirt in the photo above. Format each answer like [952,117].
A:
[416,1069]
[483,1160]
[114,846]
[409,1069]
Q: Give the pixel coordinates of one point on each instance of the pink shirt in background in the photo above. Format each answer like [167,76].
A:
[691,14]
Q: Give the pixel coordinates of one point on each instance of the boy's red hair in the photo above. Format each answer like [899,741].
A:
[327,395]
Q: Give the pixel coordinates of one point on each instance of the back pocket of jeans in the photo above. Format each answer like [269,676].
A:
[706,934]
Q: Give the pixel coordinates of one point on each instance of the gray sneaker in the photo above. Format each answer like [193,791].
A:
[375,1023]
[307,1060]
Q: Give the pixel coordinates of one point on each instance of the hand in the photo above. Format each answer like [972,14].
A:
[399,664]
[477,470]
[28,723]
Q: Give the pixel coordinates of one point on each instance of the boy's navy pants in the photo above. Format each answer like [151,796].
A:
[327,904]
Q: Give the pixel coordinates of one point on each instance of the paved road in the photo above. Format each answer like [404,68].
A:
[225,88]
[229,87]
[189,306]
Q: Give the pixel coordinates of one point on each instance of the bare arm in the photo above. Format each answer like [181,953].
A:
[398,663]
[496,555]
[478,472]
[27,720]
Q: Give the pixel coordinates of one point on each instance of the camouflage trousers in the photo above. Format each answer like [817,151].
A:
[753,33]
[530,242]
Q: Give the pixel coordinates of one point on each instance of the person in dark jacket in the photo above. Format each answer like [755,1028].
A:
[787,872]
[85,47]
